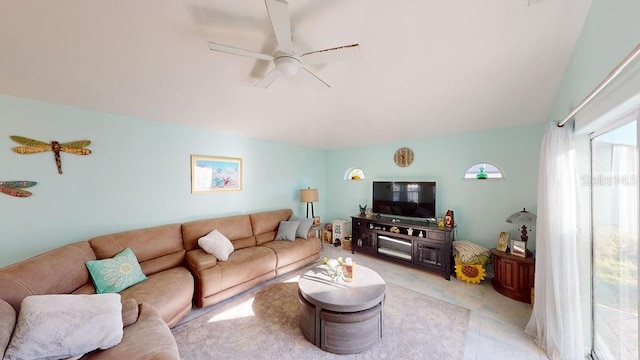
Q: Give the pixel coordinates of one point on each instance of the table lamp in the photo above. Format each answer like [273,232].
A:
[523,218]
[309,196]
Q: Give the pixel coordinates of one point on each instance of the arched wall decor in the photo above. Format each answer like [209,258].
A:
[354,174]
[483,171]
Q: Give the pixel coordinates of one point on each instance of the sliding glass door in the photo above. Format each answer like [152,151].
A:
[614,184]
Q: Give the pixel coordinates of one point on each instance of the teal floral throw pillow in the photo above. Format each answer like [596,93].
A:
[116,274]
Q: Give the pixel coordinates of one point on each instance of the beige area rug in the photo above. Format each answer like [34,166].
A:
[264,325]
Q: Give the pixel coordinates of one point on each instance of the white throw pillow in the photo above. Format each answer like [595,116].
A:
[217,245]
[62,326]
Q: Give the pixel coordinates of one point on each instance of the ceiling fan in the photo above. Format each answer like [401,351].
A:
[287,62]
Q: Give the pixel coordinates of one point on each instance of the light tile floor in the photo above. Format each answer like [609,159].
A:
[496,326]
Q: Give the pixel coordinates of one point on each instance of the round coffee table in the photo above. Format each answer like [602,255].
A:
[341,317]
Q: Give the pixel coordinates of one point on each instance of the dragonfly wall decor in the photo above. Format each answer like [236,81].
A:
[14,188]
[34,146]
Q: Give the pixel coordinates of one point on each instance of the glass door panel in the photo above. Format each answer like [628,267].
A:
[614,185]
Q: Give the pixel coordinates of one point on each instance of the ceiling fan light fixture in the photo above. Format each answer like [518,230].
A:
[288,65]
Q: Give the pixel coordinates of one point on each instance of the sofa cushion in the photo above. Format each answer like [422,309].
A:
[236,228]
[7,323]
[303,228]
[198,260]
[265,224]
[30,276]
[116,274]
[290,252]
[59,326]
[157,248]
[147,338]
[217,245]
[129,312]
[169,291]
[243,266]
[287,230]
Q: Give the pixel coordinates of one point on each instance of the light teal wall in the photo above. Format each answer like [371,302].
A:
[610,32]
[137,176]
[480,207]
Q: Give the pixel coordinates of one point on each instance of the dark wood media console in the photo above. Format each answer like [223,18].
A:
[412,242]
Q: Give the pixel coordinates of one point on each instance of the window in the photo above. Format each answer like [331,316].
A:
[483,170]
[354,174]
[614,188]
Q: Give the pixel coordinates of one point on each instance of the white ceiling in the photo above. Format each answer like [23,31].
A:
[425,67]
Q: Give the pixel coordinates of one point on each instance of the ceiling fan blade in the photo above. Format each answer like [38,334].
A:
[237,51]
[313,79]
[279,14]
[339,53]
[268,79]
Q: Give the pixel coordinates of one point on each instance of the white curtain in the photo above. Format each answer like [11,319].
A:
[624,170]
[556,322]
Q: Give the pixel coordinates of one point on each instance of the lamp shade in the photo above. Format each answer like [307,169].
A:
[522,218]
[308,195]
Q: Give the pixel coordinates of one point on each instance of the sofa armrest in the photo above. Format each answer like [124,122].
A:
[149,338]
[7,324]
[198,260]
[129,312]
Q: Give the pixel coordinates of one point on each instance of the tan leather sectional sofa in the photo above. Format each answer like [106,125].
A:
[178,272]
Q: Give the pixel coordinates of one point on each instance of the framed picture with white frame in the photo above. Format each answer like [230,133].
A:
[214,174]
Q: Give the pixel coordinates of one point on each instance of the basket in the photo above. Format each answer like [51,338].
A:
[346,244]
[327,237]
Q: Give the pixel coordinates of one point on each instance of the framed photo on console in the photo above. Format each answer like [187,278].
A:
[503,241]
[518,248]
[214,174]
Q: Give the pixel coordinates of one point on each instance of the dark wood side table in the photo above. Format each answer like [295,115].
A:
[513,275]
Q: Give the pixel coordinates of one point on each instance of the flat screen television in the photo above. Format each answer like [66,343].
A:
[413,199]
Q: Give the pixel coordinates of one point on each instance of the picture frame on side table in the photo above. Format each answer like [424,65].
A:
[503,241]
[316,220]
[214,174]
[518,248]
